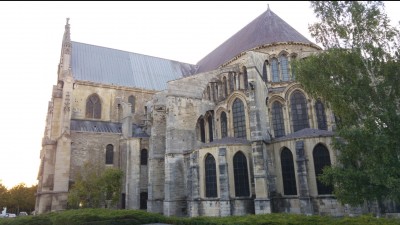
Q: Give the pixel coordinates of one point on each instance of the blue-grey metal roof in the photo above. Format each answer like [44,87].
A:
[267,28]
[95,126]
[110,66]
[306,133]
[105,127]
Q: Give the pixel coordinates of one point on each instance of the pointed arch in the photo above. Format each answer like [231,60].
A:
[265,71]
[201,130]
[210,176]
[245,78]
[241,175]
[321,159]
[224,125]
[93,107]
[321,117]
[239,119]
[131,100]
[210,127]
[225,83]
[299,111]
[231,82]
[284,67]
[288,174]
[274,70]
[109,154]
[277,119]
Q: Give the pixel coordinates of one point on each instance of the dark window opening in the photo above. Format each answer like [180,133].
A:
[265,71]
[224,125]
[143,157]
[321,160]
[143,200]
[202,130]
[210,128]
[109,154]
[321,117]
[239,119]
[275,70]
[288,175]
[211,176]
[284,67]
[299,111]
[241,175]
[131,100]
[93,107]
[277,119]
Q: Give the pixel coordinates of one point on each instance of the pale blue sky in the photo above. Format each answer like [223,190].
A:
[30,45]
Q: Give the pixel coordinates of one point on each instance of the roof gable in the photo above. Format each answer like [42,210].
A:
[267,28]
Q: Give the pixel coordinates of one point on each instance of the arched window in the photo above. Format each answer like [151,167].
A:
[225,87]
[265,71]
[208,93]
[210,128]
[143,157]
[321,160]
[109,154]
[241,175]
[277,119]
[299,111]
[288,175]
[245,78]
[93,107]
[224,125]
[200,124]
[284,67]
[275,70]
[321,117]
[292,70]
[210,176]
[131,100]
[231,82]
[143,200]
[239,119]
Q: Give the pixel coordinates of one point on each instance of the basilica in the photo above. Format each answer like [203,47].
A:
[234,134]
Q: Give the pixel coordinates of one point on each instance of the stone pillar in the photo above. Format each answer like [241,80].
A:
[262,203]
[132,174]
[304,191]
[194,185]
[225,204]
[174,201]
[156,160]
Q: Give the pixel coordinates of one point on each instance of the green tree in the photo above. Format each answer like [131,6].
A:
[21,198]
[95,186]
[4,197]
[358,76]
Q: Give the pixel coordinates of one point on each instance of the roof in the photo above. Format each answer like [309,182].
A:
[96,126]
[267,28]
[110,66]
[104,127]
[306,133]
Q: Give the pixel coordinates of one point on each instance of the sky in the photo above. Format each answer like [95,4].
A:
[30,48]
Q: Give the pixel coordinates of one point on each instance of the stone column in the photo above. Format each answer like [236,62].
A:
[304,191]
[194,185]
[262,203]
[225,204]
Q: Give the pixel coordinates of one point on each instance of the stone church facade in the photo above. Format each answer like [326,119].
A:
[232,135]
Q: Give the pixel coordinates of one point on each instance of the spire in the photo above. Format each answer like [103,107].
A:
[65,49]
[67,39]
